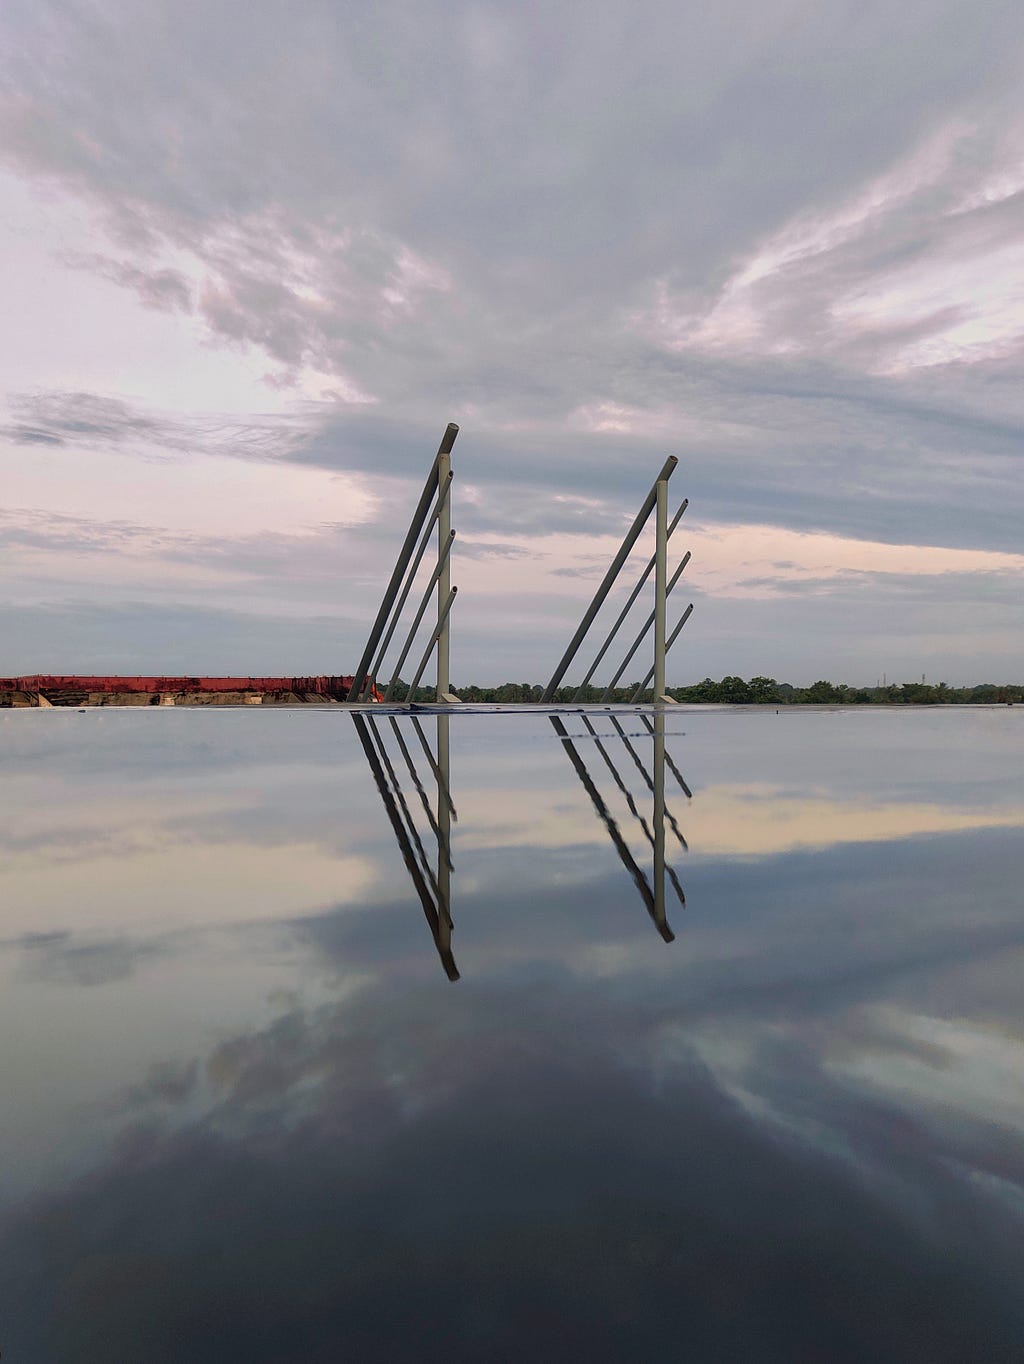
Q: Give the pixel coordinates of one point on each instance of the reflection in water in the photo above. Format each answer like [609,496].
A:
[433,886]
[432,878]
[261,1129]
[653,899]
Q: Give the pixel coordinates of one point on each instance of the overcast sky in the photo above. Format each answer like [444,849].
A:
[256,256]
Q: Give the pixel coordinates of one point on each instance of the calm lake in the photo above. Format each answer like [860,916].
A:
[377,1040]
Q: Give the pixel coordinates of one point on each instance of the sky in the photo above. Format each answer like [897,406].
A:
[255,258]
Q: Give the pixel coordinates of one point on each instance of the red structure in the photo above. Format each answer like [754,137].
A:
[60,690]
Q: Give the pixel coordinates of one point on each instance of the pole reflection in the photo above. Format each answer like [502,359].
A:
[432,875]
[652,896]
[433,885]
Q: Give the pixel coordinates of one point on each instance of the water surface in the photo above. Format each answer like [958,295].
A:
[264,1099]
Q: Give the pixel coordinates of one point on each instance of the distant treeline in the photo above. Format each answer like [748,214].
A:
[763,691]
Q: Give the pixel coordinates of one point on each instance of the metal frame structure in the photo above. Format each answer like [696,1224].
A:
[656,501]
[433,512]
[433,509]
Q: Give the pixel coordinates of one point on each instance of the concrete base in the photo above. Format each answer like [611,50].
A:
[666,701]
[450,699]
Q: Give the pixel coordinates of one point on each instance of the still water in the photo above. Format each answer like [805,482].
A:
[402,1041]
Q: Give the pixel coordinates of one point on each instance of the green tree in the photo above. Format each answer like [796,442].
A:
[735,691]
[822,693]
[763,690]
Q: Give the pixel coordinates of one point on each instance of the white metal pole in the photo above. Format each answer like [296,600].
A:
[402,563]
[410,578]
[424,603]
[660,588]
[410,695]
[632,535]
[606,694]
[626,609]
[671,640]
[444,582]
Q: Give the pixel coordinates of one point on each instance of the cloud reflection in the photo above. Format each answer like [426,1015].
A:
[512,1173]
[795,1135]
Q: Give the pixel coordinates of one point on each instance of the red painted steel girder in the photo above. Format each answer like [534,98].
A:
[324,685]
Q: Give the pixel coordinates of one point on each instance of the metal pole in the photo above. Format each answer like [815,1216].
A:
[643,633]
[668,645]
[432,641]
[424,603]
[625,610]
[445,487]
[609,578]
[660,583]
[444,583]
[402,562]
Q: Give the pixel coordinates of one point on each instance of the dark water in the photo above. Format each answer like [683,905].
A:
[248,1115]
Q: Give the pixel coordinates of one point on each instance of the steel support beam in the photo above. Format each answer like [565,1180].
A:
[643,632]
[444,584]
[660,593]
[626,609]
[632,536]
[444,488]
[402,562]
[445,612]
[668,645]
[420,611]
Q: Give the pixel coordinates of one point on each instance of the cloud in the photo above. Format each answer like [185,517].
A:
[403,266]
[59,960]
[164,290]
[92,421]
[781,244]
[56,418]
